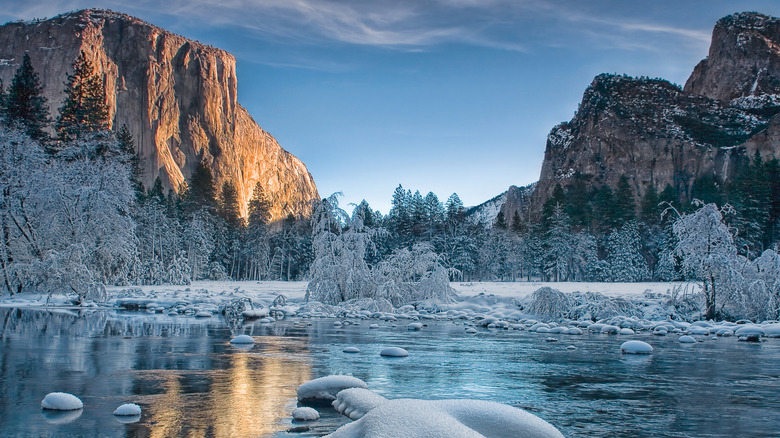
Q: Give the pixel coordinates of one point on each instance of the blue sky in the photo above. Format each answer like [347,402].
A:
[437,95]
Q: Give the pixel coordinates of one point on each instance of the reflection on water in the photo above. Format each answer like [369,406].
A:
[191,382]
[183,372]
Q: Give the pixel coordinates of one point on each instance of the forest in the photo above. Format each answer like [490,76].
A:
[75,216]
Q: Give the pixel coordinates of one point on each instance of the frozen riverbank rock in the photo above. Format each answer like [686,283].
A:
[357,402]
[324,389]
[128,409]
[636,347]
[61,401]
[394,352]
[446,418]
[305,414]
[242,339]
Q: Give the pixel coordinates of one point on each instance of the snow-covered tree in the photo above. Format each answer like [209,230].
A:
[707,252]
[624,254]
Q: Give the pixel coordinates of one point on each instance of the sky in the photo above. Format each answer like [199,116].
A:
[448,96]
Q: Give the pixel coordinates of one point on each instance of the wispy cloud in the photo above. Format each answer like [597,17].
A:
[399,24]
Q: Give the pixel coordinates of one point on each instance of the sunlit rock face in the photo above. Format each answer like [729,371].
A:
[658,134]
[176,96]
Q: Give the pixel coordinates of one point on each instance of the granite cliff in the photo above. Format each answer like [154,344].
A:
[176,96]
[658,134]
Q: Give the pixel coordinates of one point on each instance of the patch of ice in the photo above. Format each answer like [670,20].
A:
[128,409]
[636,347]
[394,352]
[61,401]
[305,414]
[324,389]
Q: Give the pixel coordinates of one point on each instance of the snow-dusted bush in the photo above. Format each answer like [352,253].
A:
[550,303]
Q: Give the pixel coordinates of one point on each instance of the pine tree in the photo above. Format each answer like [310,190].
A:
[25,105]
[500,221]
[625,206]
[517,223]
[84,109]
[200,192]
[127,146]
[454,207]
[650,210]
[229,208]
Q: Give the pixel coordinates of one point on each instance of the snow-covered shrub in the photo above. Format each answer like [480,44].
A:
[550,303]
[593,305]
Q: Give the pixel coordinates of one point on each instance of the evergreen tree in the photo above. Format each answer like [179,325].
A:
[200,192]
[517,223]
[84,109]
[557,199]
[625,206]
[25,105]
[127,146]
[500,221]
[650,210]
[604,210]
[229,208]
[455,210]
[400,216]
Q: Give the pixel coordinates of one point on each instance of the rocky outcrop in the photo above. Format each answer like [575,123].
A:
[515,199]
[177,97]
[659,135]
[744,59]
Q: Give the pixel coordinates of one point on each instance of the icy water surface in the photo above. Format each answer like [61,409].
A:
[191,382]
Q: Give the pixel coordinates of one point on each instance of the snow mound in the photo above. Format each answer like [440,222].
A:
[61,401]
[242,339]
[351,350]
[773,331]
[128,409]
[750,329]
[626,331]
[305,414]
[636,347]
[394,352]
[325,388]
[356,402]
[255,313]
[446,418]
[203,314]
[687,339]
[471,330]
[414,326]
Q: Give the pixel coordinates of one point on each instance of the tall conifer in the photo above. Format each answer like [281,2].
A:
[25,105]
[84,109]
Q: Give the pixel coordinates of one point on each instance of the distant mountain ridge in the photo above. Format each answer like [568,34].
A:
[657,134]
[177,97]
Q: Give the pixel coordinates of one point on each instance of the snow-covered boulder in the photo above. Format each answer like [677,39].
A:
[636,347]
[305,414]
[351,350]
[324,389]
[414,326]
[203,314]
[626,331]
[356,402]
[128,409]
[242,339]
[750,329]
[698,330]
[446,418]
[61,401]
[685,339]
[772,330]
[394,352]
[471,330]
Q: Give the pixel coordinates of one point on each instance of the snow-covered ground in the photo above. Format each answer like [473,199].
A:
[218,292]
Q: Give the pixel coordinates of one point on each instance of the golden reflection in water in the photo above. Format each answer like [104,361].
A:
[248,399]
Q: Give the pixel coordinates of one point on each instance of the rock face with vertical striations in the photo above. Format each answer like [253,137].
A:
[176,96]
[658,134]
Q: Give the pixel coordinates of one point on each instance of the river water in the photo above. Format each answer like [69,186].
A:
[190,381]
